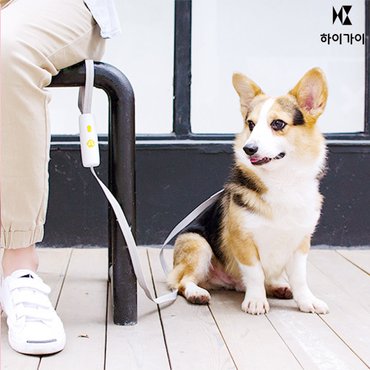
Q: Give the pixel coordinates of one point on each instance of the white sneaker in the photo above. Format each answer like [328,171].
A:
[34,326]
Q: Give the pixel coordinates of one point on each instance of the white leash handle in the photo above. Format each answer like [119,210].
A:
[90,160]
[88,136]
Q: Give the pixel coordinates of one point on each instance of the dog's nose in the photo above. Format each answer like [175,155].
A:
[250,149]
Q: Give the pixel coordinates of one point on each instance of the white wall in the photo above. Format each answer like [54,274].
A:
[144,53]
[273,42]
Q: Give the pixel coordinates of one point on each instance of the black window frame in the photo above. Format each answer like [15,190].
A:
[182,75]
[182,80]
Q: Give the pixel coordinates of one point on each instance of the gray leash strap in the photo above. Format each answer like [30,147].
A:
[85,102]
[185,222]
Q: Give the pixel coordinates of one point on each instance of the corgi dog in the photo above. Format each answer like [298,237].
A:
[255,238]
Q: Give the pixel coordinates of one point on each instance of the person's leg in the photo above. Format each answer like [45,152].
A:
[39,38]
[21,258]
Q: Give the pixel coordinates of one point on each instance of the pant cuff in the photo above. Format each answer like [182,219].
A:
[21,239]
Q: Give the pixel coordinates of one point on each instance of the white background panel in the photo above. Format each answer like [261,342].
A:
[144,52]
[274,43]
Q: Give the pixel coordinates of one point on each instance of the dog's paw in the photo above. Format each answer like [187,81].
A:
[280,292]
[283,292]
[255,305]
[196,295]
[313,305]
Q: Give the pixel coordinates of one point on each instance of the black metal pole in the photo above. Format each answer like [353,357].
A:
[121,177]
[367,65]
[182,69]
[121,144]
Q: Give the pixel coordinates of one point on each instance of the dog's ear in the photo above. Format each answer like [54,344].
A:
[311,93]
[247,90]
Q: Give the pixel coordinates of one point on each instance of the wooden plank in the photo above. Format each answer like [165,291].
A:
[344,275]
[192,336]
[347,319]
[141,346]
[312,341]
[252,340]
[82,307]
[52,268]
[359,257]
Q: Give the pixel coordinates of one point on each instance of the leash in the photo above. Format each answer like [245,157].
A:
[185,222]
[91,158]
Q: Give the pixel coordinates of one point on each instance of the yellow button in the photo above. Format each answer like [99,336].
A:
[90,143]
[89,128]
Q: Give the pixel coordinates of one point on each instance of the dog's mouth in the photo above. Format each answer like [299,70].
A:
[258,161]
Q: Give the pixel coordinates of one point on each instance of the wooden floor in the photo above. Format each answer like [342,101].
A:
[218,336]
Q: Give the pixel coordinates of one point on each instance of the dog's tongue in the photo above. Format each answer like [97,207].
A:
[259,160]
[255,159]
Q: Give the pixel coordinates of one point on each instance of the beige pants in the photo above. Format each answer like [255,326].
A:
[38,38]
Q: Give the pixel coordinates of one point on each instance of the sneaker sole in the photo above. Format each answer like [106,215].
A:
[37,348]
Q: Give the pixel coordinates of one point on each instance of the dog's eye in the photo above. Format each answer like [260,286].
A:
[278,124]
[251,125]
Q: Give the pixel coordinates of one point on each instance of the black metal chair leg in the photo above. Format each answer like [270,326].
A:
[121,143]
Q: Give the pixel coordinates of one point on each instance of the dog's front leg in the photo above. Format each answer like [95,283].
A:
[296,270]
[255,301]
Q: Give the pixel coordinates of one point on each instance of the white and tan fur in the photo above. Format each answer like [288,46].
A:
[263,223]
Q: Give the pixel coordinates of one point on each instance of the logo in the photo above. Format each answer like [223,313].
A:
[342,15]
[90,143]
[346,37]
